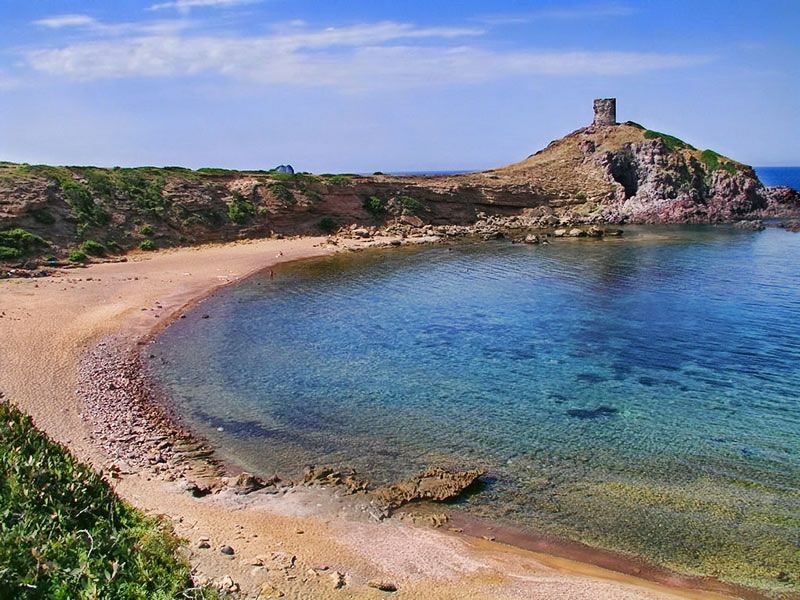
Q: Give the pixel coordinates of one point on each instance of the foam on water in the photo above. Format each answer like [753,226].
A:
[637,394]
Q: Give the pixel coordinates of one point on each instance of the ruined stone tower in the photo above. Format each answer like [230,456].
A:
[605,112]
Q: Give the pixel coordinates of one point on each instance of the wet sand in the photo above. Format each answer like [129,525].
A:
[309,542]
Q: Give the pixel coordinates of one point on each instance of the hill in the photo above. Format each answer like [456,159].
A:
[604,173]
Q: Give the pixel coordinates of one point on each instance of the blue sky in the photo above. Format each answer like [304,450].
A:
[363,86]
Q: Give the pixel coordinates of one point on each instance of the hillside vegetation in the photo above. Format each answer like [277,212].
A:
[65,534]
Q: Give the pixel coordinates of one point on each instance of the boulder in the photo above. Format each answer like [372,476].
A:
[576,232]
[434,484]
[327,476]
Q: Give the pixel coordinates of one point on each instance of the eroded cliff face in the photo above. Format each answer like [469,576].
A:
[598,174]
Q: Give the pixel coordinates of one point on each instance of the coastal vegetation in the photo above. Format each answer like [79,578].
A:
[65,534]
[714,161]
[17,242]
[411,205]
[240,209]
[374,206]
[670,141]
[327,225]
[93,248]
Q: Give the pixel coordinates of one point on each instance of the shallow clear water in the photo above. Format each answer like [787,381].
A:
[637,394]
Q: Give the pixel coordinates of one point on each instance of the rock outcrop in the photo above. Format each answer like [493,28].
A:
[434,484]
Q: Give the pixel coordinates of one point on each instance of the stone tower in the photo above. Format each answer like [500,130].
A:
[605,112]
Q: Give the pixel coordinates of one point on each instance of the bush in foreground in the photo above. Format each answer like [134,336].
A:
[65,534]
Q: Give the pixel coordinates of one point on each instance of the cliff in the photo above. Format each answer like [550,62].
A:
[604,173]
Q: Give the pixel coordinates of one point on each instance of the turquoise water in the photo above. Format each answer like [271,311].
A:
[638,394]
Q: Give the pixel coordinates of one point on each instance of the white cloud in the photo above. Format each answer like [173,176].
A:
[374,56]
[187,5]
[59,21]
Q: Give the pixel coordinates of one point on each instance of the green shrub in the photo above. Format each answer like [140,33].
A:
[327,225]
[281,193]
[375,206]
[76,256]
[65,534]
[144,189]
[411,205]
[8,253]
[113,246]
[670,141]
[146,229]
[82,204]
[580,196]
[43,216]
[21,240]
[93,248]
[147,245]
[240,209]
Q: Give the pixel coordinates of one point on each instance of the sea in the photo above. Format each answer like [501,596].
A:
[769,176]
[638,394]
[787,176]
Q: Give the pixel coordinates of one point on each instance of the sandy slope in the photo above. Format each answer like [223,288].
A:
[46,325]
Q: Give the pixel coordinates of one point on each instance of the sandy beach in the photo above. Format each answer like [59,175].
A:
[300,543]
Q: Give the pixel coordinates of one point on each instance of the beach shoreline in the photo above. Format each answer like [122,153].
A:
[52,324]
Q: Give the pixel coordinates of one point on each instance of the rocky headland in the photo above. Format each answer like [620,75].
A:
[601,175]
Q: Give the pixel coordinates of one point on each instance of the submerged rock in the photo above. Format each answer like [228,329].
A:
[592,413]
[434,484]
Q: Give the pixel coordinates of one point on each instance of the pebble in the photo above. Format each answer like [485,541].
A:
[384,586]
[227,550]
[337,580]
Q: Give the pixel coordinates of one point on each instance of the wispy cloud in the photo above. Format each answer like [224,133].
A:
[187,5]
[61,21]
[359,57]
[573,13]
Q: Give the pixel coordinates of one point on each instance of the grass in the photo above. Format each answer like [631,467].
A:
[65,534]
[147,245]
[670,141]
[714,161]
